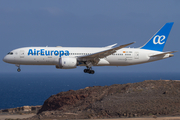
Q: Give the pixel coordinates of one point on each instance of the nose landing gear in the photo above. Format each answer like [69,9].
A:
[19,69]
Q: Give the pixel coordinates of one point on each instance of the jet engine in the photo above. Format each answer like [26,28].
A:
[67,63]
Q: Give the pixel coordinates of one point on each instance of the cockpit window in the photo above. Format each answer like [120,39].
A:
[10,53]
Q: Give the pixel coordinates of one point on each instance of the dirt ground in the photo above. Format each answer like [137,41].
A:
[3,117]
[158,118]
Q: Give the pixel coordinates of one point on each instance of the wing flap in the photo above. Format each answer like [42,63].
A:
[105,53]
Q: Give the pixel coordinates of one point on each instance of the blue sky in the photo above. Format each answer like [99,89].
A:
[88,23]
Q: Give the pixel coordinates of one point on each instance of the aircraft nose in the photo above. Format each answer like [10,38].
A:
[5,59]
[9,59]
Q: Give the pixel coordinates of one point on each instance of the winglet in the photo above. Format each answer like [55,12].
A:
[110,46]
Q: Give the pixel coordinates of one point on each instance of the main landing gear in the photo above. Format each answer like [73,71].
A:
[19,69]
[89,70]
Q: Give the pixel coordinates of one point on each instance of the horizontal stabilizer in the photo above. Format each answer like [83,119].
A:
[162,54]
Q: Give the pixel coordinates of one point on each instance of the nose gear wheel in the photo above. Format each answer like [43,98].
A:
[19,69]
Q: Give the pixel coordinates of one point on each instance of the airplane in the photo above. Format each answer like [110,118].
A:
[71,57]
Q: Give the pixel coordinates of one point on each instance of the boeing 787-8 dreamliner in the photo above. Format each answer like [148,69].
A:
[71,57]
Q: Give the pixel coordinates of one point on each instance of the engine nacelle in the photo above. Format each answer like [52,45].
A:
[67,63]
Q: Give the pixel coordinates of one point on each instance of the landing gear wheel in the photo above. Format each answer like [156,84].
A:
[91,72]
[18,69]
[85,70]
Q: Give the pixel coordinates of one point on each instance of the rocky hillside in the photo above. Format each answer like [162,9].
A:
[151,97]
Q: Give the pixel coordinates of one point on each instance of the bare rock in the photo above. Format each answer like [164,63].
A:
[148,98]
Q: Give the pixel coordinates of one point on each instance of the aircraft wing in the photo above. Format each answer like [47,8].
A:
[162,54]
[96,56]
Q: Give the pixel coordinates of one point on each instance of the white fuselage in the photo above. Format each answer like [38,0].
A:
[51,55]
[71,57]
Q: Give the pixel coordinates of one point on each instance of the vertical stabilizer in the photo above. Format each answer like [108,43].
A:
[158,40]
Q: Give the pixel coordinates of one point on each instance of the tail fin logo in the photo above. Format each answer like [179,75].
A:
[159,39]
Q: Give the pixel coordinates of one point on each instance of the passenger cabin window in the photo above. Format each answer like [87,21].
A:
[10,53]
